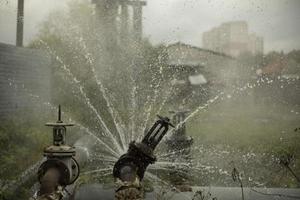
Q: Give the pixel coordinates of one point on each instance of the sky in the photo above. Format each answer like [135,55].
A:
[167,21]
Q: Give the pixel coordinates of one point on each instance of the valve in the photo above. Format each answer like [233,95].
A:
[157,132]
[59,156]
[140,154]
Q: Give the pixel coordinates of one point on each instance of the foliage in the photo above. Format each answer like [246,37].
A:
[126,72]
[22,140]
[202,195]
[295,54]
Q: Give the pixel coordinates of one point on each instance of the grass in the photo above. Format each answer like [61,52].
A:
[246,125]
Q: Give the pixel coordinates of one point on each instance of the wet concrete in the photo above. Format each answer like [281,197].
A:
[96,192]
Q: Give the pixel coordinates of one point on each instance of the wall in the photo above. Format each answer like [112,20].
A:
[24,78]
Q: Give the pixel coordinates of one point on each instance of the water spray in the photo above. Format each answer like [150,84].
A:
[180,143]
[179,140]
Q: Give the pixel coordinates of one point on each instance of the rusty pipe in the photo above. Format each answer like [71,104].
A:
[50,181]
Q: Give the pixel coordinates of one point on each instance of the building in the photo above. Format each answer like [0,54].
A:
[191,62]
[200,71]
[233,38]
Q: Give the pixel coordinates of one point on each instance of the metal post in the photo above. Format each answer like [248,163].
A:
[124,22]
[107,11]
[137,22]
[20,23]
[137,7]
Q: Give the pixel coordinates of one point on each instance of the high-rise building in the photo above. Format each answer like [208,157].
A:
[232,38]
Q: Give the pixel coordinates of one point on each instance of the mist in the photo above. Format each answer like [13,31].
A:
[210,89]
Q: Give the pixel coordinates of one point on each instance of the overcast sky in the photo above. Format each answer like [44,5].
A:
[166,21]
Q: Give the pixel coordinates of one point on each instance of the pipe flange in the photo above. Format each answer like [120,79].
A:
[57,164]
